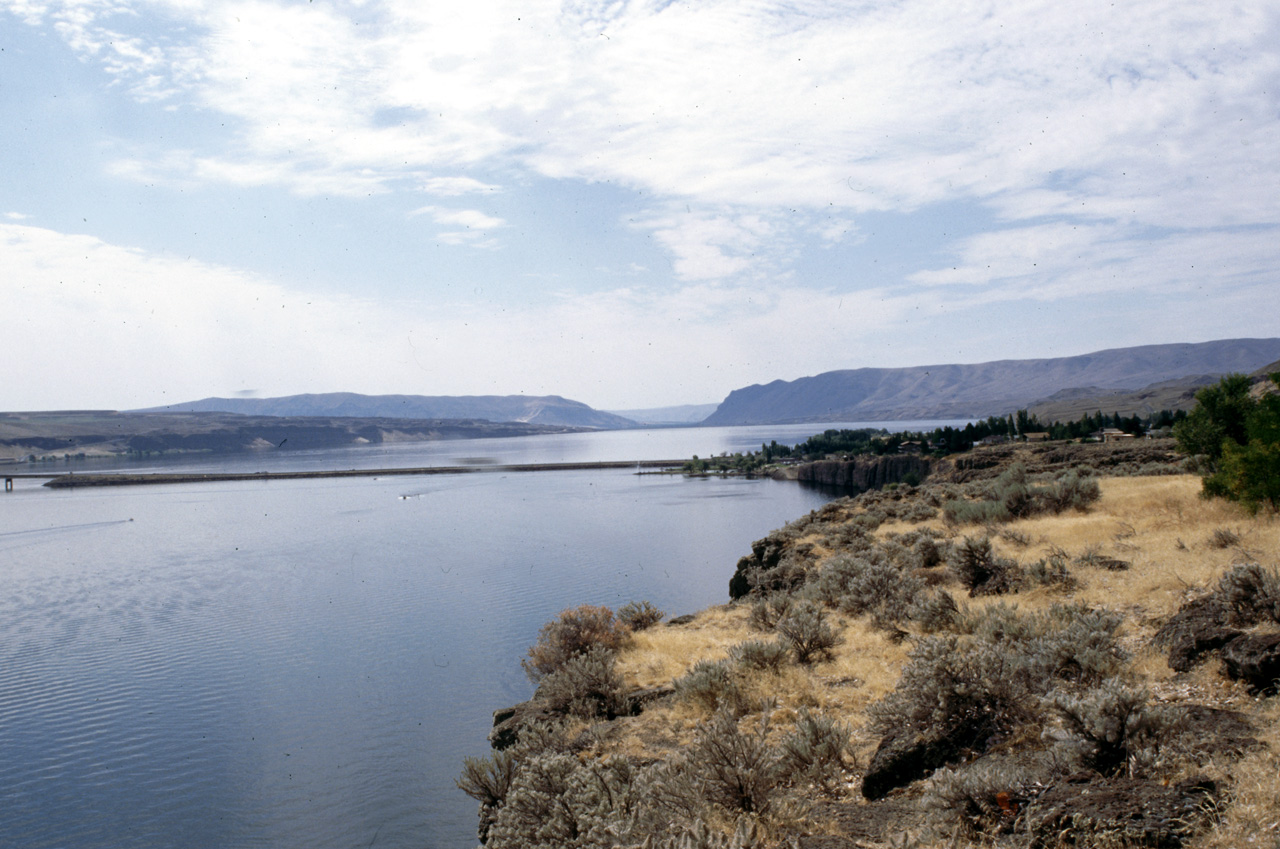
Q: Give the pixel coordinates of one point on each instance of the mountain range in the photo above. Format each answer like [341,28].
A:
[542,410]
[983,389]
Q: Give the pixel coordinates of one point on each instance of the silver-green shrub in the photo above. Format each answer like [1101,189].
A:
[588,686]
[1252,592]
[815,751]
[713,685]
[761,655]
[808,632]
[639,615]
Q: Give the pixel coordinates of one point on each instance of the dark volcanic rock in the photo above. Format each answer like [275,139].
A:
[905,756]
[863,473]
[1199,627]
[509,722]
[858,823]
[1085,808]
[766,555]
[1206,732]
[1254,659]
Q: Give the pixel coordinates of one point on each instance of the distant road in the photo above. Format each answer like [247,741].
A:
[64,481]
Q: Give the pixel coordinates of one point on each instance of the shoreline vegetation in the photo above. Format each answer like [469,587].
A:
[943,442]
[1035,645]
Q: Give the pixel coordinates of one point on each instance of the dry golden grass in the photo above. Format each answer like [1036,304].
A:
[659,655]
[1251,814]
[1160,525]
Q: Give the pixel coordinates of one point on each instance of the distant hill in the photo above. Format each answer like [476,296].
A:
[683,414]
[105,433]
[543,410]
[982,389]
[1267,370]
[1070,404]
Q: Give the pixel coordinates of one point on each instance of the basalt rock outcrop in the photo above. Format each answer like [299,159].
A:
[863,473]
[1255,660]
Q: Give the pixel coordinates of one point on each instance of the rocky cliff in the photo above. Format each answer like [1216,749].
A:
[863,473]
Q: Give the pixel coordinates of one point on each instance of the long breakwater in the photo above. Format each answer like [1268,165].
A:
[133,479]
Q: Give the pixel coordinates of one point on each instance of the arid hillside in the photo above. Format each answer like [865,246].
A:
[1097,672]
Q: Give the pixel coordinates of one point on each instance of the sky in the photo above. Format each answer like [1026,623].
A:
[631,203]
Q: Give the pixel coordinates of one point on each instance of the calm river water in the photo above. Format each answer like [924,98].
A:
[306,663]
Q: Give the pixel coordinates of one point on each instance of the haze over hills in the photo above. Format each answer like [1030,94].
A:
[983,389]
[685,414]
[543,410]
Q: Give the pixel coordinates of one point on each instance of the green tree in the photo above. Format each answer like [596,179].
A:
[1220,416]
[1248,470]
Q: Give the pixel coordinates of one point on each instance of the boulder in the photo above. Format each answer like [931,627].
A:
[906,756]
[508,722]
[1087,809]
[765,557]
[1255,660]
[1199,627]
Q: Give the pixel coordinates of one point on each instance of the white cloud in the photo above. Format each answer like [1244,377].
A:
[1154,112]
[456,186]
[476,225]
[1061,261]
[709,246]
[95,324]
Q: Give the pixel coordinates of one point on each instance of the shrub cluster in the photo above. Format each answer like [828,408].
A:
[572,633]
[715,686]
[1014,495]
[1110,729]
[869,585]
[639,615]
[586,686]
[991,676]
[545,793]
[808,632]
[761,655]
[1251,592]
[981,571]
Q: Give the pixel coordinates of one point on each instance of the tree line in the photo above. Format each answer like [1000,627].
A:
[938,442]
